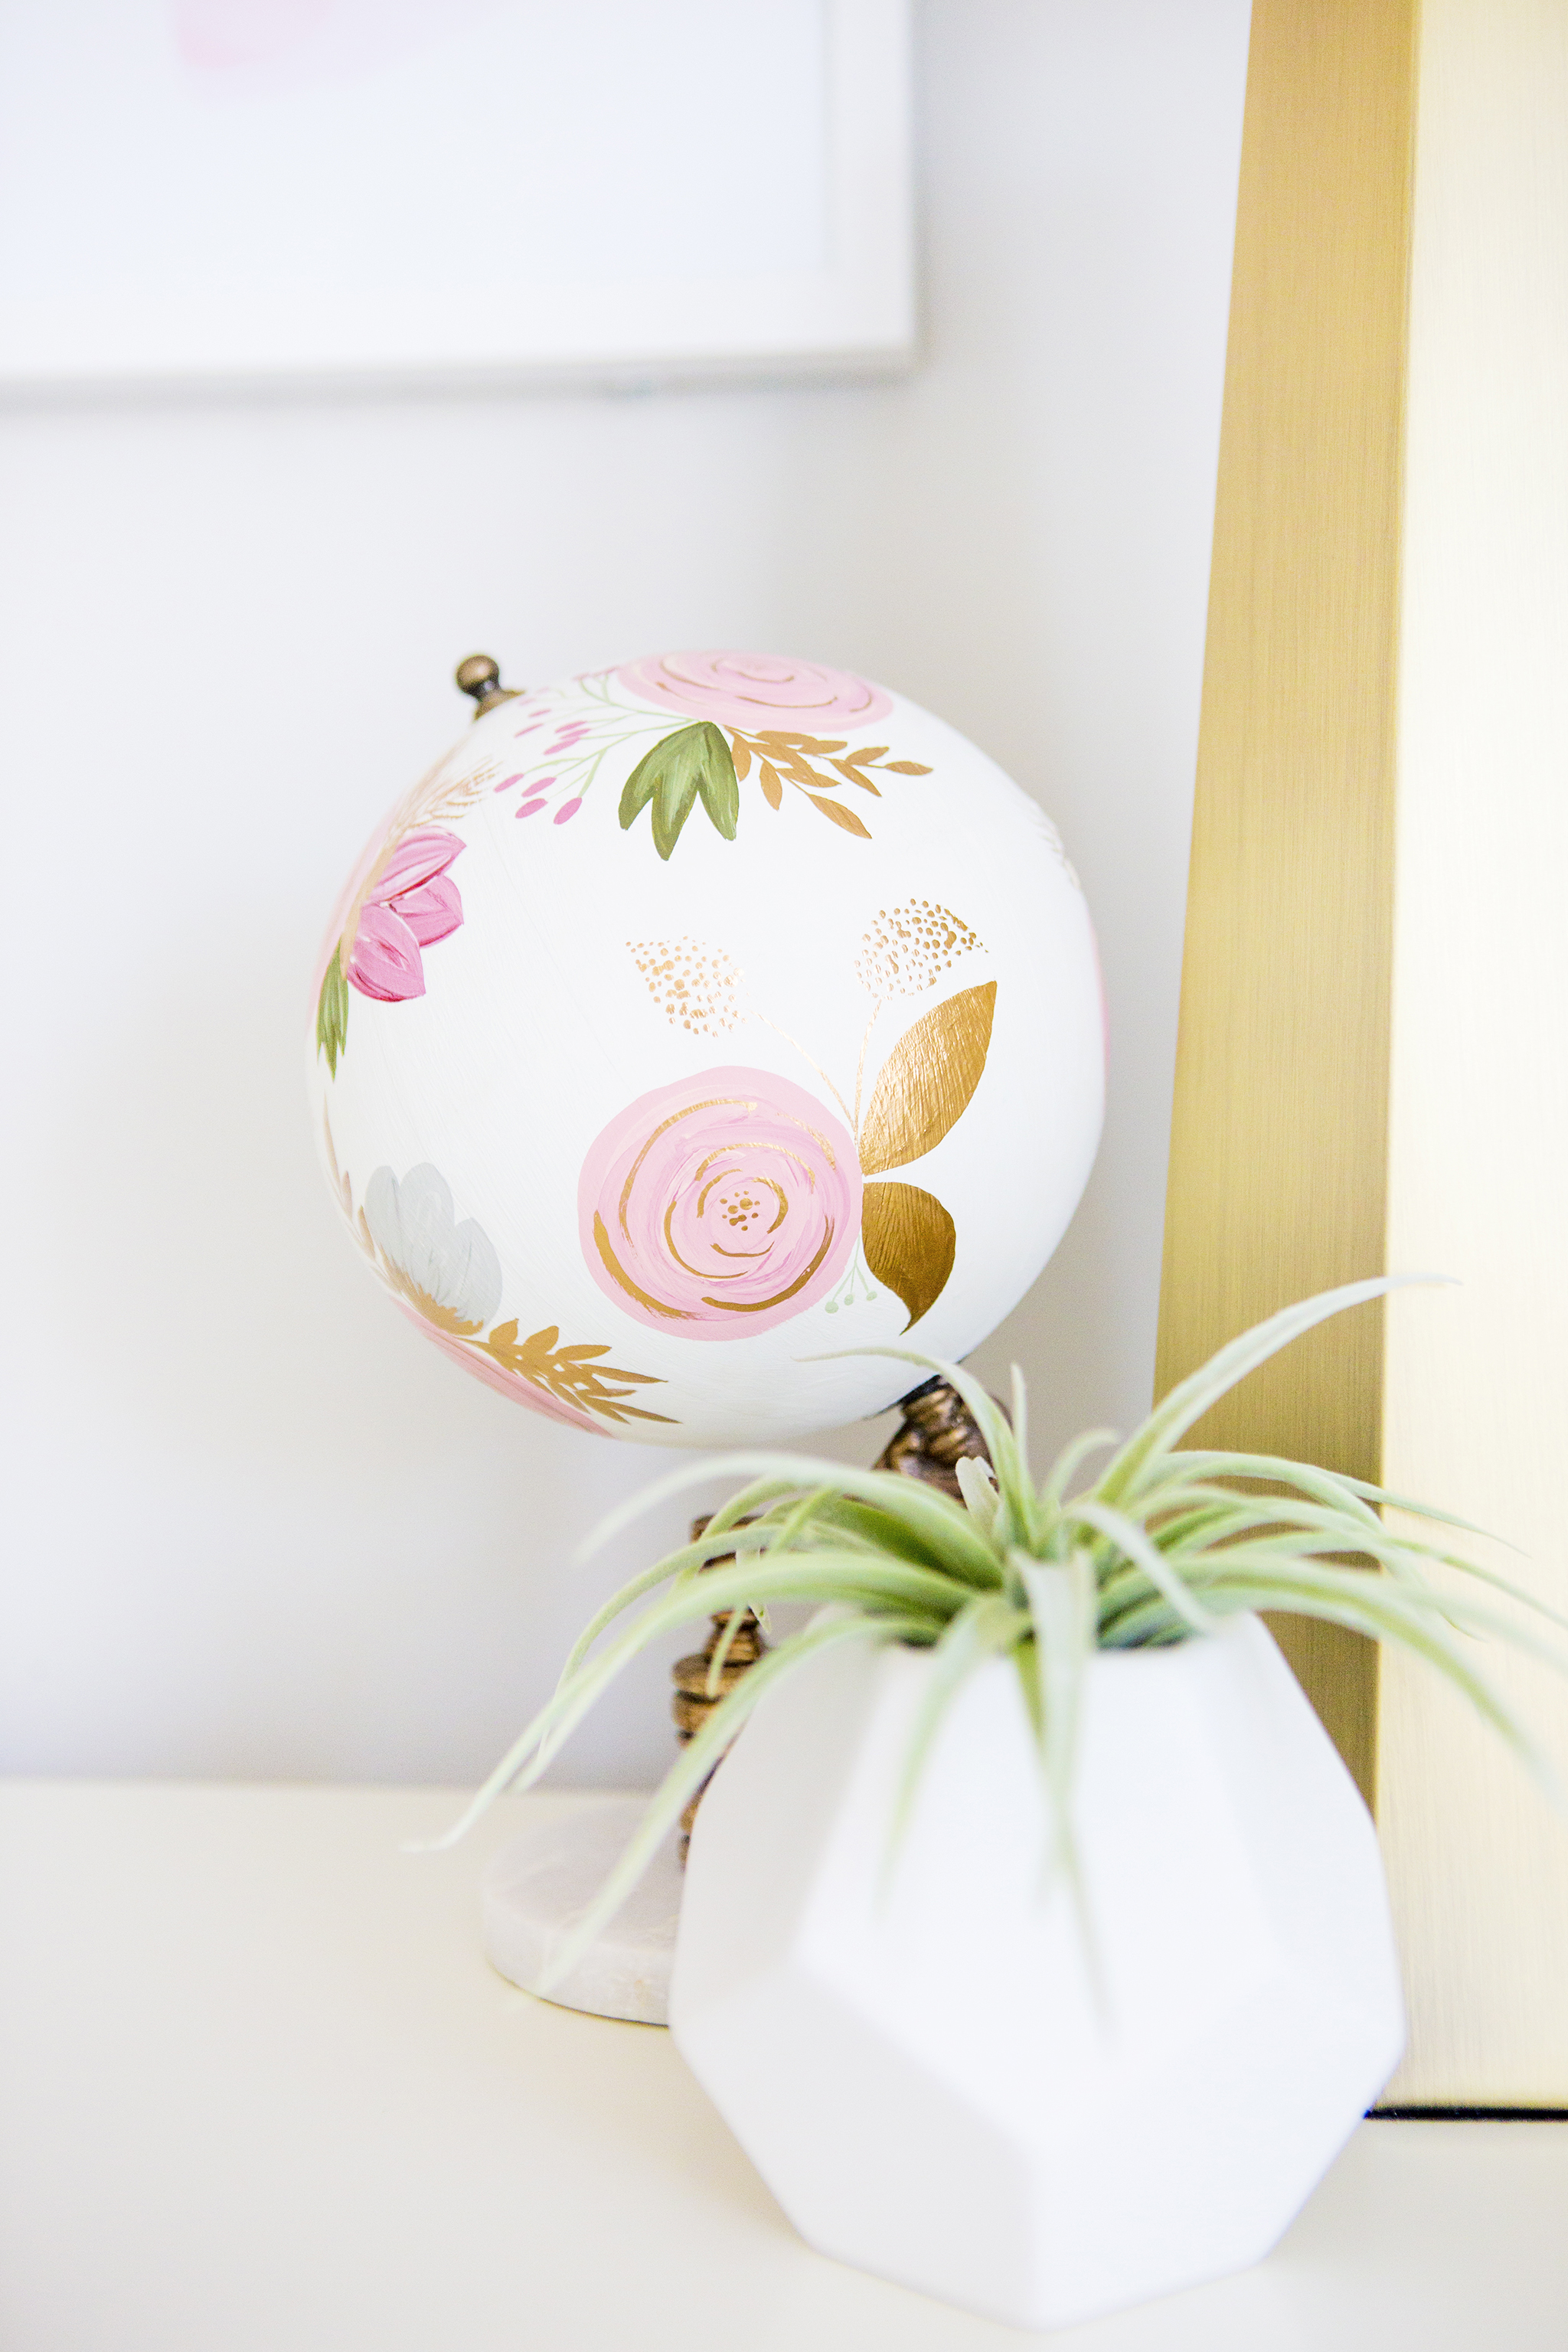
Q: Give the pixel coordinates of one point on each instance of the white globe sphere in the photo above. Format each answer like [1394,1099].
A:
[695,1021]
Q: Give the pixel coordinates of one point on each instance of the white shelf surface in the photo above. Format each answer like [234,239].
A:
[258,2088]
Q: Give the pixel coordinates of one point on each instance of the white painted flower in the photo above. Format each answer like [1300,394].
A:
[447,1272]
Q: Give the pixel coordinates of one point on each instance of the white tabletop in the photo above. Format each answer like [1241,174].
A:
[260,2092]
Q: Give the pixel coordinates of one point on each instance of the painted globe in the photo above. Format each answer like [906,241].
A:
[694,1023]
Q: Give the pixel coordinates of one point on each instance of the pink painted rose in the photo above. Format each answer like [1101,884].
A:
[721,1206]
[757,693]
[408,905]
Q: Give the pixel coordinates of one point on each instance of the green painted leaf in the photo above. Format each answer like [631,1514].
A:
[672,805]
[695,761]
[639,787]
[719,790]
[333,1013]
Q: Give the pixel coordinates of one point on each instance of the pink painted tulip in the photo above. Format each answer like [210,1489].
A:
[411,904]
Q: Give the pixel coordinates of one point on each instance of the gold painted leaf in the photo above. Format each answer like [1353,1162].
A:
[775,740]
[852,776]
[768,777]
[927,1080]
[907,768]
[910,1241]
[572,1374]
[841,816]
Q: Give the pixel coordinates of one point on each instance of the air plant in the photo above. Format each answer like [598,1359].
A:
[1159,1548]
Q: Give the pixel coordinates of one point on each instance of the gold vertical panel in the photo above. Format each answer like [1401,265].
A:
[1279,1140]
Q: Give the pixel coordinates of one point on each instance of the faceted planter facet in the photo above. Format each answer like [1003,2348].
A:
[937,2076]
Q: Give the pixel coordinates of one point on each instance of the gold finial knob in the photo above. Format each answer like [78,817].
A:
[479,674]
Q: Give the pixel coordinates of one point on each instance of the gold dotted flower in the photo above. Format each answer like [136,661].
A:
[907,947]
[694,985]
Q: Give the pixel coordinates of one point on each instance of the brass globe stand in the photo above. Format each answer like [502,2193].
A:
[937,1431]
[536,1883]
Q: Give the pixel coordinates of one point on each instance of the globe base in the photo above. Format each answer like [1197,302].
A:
[539,1882]
[537,1886]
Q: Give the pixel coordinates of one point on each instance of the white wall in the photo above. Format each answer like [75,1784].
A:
[254,1525]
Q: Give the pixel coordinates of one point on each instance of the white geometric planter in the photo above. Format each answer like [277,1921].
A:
[924,2076]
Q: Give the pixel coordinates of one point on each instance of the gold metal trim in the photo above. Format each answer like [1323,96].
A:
[1279,1135]
[479,674]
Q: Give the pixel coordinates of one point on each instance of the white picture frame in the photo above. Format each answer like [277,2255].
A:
[451,191]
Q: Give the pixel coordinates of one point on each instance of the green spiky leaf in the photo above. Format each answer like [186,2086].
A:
[693,763]
[333,1013]
[1161,1546]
